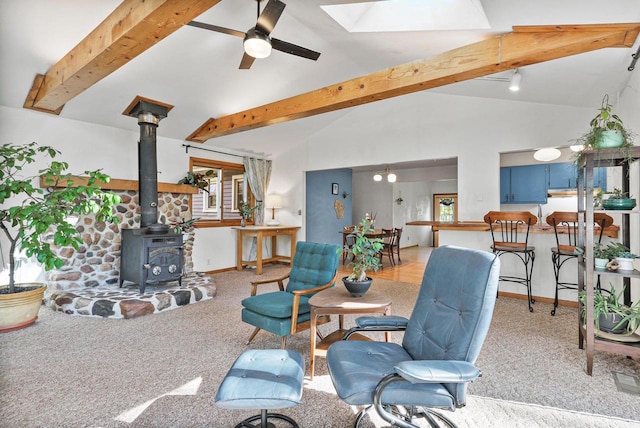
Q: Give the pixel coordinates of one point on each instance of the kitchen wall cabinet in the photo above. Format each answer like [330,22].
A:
[525,184]
[564,175]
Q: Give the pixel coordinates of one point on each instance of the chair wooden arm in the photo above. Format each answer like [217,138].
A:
[279,280]
[296,301]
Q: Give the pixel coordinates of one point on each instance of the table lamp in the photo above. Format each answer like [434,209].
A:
[273,202]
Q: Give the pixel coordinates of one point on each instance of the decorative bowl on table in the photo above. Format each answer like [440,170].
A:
[619,204]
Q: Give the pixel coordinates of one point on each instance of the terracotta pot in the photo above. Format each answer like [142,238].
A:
[20,310]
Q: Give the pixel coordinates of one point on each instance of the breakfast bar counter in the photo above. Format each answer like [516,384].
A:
[481,226]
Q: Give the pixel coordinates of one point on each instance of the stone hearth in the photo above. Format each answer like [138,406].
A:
[127,302]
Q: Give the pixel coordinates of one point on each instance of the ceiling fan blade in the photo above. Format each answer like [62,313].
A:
[269,16]
[247,61]
[217,29]
[292,49]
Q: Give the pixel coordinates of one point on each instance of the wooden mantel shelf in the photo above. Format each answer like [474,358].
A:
[119,184]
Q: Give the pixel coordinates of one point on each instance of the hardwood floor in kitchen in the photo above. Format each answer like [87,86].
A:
[411,270]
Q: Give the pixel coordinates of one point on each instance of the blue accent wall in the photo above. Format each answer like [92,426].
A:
[322,223]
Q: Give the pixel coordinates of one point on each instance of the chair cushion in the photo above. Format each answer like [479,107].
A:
[356,367]
[313,265]
[277,304]
[263,379]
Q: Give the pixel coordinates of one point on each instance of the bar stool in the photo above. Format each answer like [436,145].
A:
[565,227]
[510,235]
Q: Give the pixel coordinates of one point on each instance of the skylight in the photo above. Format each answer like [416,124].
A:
[409,15]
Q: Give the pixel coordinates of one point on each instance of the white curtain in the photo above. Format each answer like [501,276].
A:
[258,173]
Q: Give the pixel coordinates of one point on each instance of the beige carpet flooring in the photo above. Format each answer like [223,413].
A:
[163,370]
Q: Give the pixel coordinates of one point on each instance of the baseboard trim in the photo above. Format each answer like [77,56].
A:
[539,299]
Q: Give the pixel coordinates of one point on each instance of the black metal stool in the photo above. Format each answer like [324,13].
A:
[565,226]
[510,234]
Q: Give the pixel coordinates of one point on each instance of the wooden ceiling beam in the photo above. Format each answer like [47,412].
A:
[132,28]
[523,46]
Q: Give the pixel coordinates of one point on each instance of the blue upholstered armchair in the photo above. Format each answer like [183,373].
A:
[286,312]
[443,337]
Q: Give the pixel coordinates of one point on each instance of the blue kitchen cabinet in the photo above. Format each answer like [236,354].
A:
[564,175]
[525,184]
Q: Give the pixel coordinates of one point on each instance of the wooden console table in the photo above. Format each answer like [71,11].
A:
[259,232]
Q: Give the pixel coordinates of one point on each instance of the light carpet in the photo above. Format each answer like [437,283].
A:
[163,370]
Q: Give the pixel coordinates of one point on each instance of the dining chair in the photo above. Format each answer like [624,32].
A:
[388,242]
[398,231]
[510,235]
[565,227]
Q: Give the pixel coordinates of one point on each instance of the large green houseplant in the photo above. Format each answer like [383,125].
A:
[363,253]
[28,211]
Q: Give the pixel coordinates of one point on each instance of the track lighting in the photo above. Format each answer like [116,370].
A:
[514,84]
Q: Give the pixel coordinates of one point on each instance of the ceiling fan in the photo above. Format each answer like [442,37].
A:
[257,43]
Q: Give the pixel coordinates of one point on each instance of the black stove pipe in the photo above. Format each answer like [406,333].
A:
[148,170]
[149,115]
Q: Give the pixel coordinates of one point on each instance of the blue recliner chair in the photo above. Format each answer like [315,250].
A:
[286,312]
[442,339]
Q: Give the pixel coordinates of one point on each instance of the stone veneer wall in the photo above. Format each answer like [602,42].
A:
[97,262]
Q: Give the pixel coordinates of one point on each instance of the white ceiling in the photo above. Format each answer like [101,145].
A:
[197,70]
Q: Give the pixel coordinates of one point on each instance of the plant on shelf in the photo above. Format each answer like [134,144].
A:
[618,200]
[363,255]
[621,257]
[610,313]
[29,212]
[606,131]
[184,225]
[199,180]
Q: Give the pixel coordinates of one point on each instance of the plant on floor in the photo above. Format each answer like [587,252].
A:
[609,305]
[606,131]
[28,212]
[363,255]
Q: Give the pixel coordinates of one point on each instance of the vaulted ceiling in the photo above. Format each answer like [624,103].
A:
[197,70]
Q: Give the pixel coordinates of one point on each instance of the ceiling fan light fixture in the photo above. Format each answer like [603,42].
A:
[377,177]
[391,177]
[257,44]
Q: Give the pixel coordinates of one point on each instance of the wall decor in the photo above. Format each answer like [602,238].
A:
[335,188]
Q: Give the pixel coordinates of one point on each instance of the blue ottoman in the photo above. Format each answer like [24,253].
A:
[263,379]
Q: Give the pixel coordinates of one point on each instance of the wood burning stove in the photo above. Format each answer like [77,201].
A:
[150,258]
[152,254]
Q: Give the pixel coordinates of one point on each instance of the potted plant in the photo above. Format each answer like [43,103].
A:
[606,131]
[600,256]
[246,211]
[363,255]
[199,180]
[610,314]
[28,212]
[184,226]
[618,200]
[622,258]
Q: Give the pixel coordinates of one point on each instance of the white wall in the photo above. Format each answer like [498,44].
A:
[418,126]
